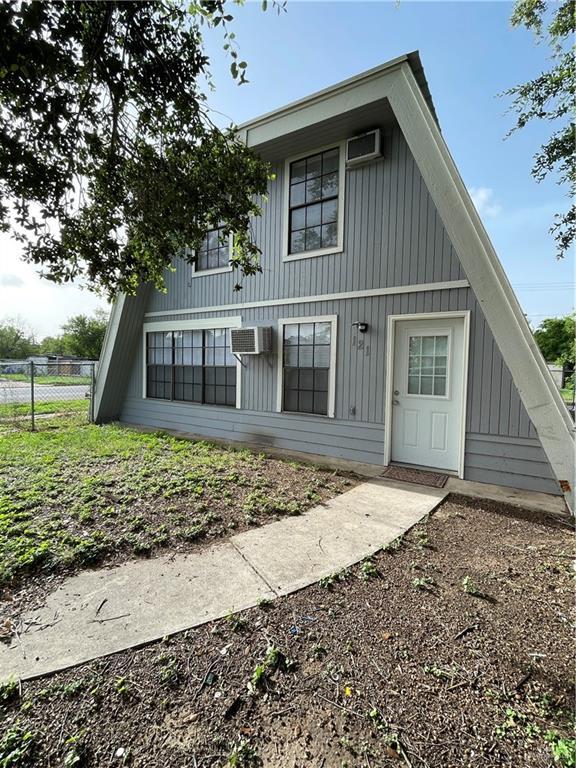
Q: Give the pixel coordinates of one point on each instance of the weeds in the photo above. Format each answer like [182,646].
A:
[394,545]
[423,582]
[9,691]
[16,748]
[368,570]
[80,494]
[563,749]
[243,755]
[470,587]
[328,582]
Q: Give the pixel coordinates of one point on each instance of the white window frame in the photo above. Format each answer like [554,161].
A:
[333,320]
[215,270]
[339,247]
[191,325]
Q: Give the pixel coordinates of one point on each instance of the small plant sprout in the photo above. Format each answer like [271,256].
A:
[394,545]
[423,582]
[9,690]
[470,588]
[243,755]
[440,673]
[273,660]
[327,582]
[121,686]
[563,749]
[264,603]
[236,622]
[422,539]
[368,570]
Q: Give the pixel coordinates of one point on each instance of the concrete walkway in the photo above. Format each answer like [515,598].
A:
[103,611]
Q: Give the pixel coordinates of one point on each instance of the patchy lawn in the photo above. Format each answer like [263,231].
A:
[451,648]
[75,496]
[10,411]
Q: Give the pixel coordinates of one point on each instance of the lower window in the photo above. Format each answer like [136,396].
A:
[191,366]
[306,353]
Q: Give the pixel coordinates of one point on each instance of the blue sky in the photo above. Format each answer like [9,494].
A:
[470,54]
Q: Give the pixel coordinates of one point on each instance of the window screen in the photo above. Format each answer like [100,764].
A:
[313,203]
[306,367]
[192,366]
[427,365]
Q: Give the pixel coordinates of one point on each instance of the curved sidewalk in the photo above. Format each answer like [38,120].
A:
[107,610]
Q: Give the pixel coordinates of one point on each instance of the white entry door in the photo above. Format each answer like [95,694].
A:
[427,392]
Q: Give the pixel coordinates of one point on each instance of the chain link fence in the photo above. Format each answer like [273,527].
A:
[35,396]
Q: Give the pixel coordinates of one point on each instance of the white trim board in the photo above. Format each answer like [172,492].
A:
[333,320]
[365,294]
[390,343]
[488,280]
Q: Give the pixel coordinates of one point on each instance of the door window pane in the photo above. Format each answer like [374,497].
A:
[427,365]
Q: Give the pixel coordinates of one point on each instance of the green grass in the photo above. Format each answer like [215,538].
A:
[57,381]
[73,495]
[567,394]
[18,410]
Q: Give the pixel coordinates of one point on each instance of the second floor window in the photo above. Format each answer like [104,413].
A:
[214,253]
[313,204]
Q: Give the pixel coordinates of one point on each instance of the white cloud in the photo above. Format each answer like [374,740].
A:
[43,305]
[483,199]
[10,280]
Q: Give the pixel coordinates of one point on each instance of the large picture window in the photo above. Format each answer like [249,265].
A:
[306,367]
[313,202]
[193,366]
[214,253]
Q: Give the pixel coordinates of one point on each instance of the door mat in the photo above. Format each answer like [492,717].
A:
[418,476]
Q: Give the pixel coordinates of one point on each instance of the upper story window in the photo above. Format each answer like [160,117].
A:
[315,198]
[214,253]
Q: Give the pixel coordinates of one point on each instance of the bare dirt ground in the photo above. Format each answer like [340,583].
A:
[452,648]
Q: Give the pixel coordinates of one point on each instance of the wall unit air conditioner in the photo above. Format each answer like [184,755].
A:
[250,341]
[365,147]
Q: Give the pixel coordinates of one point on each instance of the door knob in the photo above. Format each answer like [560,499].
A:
[396,392]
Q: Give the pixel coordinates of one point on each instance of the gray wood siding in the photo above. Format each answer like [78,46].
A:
[501,444]
[392,236]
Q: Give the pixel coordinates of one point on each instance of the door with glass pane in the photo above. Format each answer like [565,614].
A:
[427,408]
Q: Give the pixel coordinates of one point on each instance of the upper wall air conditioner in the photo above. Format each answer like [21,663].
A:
[250,341]
[365,147]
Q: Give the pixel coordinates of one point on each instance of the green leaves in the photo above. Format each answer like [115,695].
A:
[110,164]
[550,96]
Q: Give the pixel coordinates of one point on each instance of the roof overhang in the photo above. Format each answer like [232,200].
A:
[343,110]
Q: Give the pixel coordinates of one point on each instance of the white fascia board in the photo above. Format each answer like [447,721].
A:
[486,276]
[331,103]
[318,96]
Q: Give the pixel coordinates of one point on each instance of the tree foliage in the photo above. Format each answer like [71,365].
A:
[556,337]
[16,340]
[110,164]
[82,336]
[551,97]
